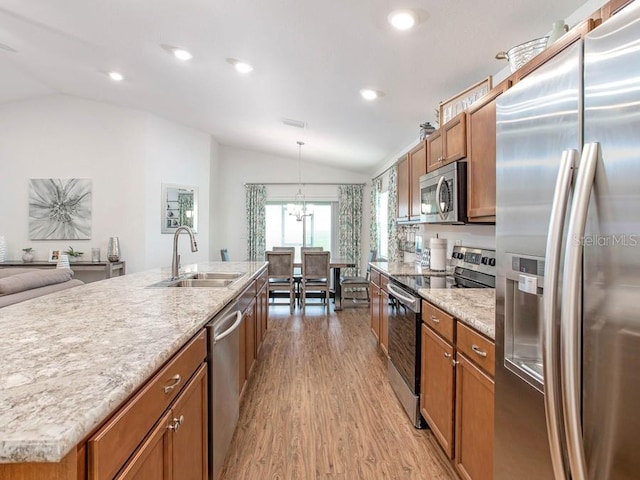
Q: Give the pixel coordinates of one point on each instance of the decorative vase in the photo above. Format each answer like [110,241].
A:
[113,249]
[558,29]
[3,250]
[27,257]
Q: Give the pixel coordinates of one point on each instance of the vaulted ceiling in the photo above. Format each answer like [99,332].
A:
[310,60]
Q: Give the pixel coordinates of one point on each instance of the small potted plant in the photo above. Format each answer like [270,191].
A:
[27,256]
[74,255]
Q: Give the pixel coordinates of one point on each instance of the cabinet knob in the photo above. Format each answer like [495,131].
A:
[175,380]
[447,355]
[176,422]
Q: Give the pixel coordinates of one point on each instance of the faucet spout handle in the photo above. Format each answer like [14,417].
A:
[194,246]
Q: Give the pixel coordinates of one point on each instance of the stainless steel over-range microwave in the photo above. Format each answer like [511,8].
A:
[443,195]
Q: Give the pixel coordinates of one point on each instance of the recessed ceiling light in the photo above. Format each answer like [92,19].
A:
[402,19]
[182,54]
[370,94]
[240,66]
[116,77]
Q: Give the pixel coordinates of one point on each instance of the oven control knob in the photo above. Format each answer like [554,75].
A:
[485,260]
[492,262]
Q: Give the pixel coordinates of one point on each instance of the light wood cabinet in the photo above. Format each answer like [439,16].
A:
[474,421]
[403,183]
[410,168]
[177,446]
[448,143]
[437,387]
[481,157]
[384,320]
[379,309]
[456,391]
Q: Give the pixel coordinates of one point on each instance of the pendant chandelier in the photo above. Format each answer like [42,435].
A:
[299,208]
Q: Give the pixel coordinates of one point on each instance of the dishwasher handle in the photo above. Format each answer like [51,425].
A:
[229,331]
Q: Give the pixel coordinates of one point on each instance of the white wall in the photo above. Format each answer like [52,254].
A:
[126,153]
[238,166]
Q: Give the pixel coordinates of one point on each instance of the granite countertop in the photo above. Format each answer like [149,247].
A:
[69,359]
[404,268]
[474,306]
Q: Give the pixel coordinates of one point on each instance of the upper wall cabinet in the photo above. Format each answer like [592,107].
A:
[410,168]
[448,143]
[481,157]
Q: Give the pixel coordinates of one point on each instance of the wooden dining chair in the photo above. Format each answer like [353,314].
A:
[315,276]
[280,275]
[350,286]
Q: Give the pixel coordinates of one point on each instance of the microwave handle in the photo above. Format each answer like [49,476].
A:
[438,189]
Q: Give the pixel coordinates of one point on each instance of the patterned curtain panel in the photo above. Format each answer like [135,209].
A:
[376,188]
[256,214]
[393,200]
[350,224]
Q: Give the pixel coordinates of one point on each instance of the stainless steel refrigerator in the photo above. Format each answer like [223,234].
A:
[568,251]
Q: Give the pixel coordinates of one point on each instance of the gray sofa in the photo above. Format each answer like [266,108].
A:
[20,284]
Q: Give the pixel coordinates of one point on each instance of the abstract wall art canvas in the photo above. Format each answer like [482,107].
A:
[59,209]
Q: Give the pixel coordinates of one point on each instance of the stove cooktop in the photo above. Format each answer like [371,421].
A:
[473,268]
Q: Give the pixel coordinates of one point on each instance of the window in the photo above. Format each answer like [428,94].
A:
[316,230]
[383,224]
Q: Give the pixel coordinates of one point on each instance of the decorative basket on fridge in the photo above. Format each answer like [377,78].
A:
[521,54]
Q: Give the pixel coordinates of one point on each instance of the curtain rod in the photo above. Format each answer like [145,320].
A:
[303,183]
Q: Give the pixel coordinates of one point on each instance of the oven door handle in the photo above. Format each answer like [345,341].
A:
[410,302]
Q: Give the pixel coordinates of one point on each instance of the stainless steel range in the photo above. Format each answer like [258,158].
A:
[472,268]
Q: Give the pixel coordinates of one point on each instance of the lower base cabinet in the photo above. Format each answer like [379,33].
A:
[176,447]
[474,421]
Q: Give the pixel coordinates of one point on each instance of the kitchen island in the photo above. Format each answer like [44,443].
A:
[69,360]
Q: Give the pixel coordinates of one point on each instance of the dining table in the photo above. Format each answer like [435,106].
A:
[335,264]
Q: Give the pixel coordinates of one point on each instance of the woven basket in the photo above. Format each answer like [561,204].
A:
[521,54]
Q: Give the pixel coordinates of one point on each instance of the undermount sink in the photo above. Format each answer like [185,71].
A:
[196,282]
[202,280]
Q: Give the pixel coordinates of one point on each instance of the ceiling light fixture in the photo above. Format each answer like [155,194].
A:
[299,209]
[182,54]
[369,94]
[116,77]
[240,66]
[402,19]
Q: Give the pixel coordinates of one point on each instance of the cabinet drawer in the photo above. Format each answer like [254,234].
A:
[479,349]
[375,276]
[247,296]
[384,280]
[110,447]
[261,281]
[441,322]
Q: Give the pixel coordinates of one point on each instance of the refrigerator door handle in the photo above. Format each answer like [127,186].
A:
[571,324]
[550,341]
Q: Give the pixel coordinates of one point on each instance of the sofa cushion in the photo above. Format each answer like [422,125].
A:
[6,300]
[33,279]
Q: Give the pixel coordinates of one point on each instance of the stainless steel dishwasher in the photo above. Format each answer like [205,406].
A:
[223,353]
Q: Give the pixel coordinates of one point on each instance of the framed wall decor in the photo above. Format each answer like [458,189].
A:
[59,209]
[179,206]
[463,100]
[54,256]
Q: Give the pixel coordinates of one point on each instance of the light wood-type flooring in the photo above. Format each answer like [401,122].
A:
[319,406]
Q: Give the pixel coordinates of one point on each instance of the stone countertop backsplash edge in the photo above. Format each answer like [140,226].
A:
[70,359]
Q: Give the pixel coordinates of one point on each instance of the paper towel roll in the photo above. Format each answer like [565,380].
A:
[438,247]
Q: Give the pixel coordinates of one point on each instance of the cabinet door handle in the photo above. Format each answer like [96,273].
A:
[175,380]
[477,350]
[447,355]
[435,319]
